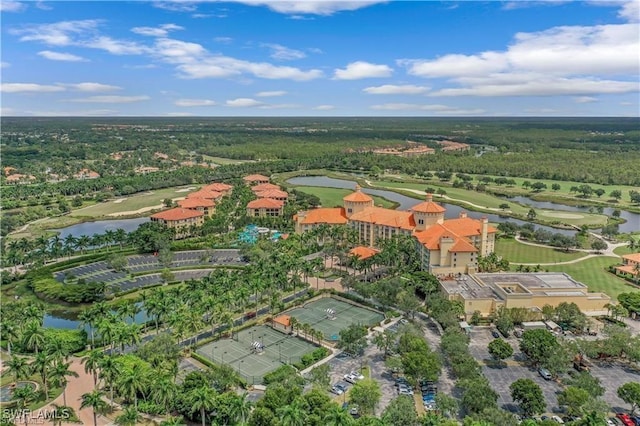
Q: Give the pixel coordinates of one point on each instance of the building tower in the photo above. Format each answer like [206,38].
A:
[427,213]
[356,202]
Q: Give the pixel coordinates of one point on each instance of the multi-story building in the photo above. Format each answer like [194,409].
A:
[630,264]
[445,246]
[203,205]
[264,207]
[255,179]
[180,220]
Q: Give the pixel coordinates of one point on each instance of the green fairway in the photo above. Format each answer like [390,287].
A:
[135,203]
[492,203]
[593,273]
[332,197]
[517,252]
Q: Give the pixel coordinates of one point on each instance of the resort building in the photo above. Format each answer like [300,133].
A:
[487,292]
[17,178]
[446,246]
[206,194]
[274,194]
[179,219]
[223,188]
[86,174]
[264,207]
[264,187]
[630,264]
[203,205]
[255,179]
[362,252]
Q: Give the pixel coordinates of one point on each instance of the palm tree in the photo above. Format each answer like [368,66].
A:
[42,364]
[129,417]
[163,390]
[337,416]
[92,363]
[292,414]
[95,401]
[23,395]
[33,337]
[131,383]
[202,399]
[109,371]
[173,421]
[59,375]
[241,408]
[8,331]
[19,366]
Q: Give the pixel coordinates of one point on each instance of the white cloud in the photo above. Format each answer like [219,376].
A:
[630,11]
[4,64]
[194,102]
[180,114]
[360,69]
[390,89]
[43,5]
[112,99]
[29,87]
[176,5]
[61,56]
[439,109]
[311,7]
[223,40]
[12,6]
[56,34]
[283,53]
[243,103]
[4,111]
[585,99]
[269,94]
[116,47]
[279,106]
[93,87]
[223,66]
[324,107]
[161,31]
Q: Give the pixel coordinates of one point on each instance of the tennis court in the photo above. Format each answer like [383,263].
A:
[239,353]
[344,314]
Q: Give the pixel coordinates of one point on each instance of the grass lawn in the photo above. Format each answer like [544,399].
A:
[133,203]
[331,197]
[517,252]
[493,203]
[593,273]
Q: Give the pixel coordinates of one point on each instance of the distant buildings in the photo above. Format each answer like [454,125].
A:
[488,292]
[255,179]
[445,246]
[86,174]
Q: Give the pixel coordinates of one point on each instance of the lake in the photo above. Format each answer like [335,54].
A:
[100,226]
[69,319]
[406,203]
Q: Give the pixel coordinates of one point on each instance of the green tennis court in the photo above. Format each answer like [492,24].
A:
[344,314]
[239,353]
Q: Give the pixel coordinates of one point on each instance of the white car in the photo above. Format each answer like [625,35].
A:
[611,422]
[557,419]
[357,375]
[349,378]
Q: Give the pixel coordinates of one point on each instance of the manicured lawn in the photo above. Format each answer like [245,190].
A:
[593,273]
[133,202]
[517,252]
[332,197]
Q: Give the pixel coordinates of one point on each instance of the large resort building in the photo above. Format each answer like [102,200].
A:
[446,246]
[487,292]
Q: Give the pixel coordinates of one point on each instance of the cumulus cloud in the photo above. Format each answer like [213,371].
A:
[272,93]
[311,7]
[12,6]
[585,99]
[194,102]
[360,69]
[60,56]
[243,103]
[116,47]
[567,60]
[161,31]
[57,34]
[112,99]
[29,87]
[390,89]
[324,107]
[92,87]
[435,108]
[283,53]
[176,5]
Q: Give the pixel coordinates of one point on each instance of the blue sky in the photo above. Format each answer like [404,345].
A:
[320,58]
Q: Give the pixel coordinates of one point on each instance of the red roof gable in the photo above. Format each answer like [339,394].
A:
[332,216]
[363,252]
[192,203]
[386,217]
[265,203]
[265,187]
[177,214]
[358,196]
[218,187]
[255,178]
[272,193]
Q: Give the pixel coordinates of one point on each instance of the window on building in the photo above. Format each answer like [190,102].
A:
[420,221]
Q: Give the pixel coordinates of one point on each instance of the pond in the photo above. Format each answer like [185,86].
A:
[632,223]
[69,319]
[100,226]
[6,391]
[405,203]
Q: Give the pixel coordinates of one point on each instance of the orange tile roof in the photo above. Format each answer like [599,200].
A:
[461,246]
[634,257]
[192,203]
[177,214]
[467,227]
[255,178]
[385,217]
[332,216]
[264,187]
[283,320]
[209,195]
[430,237]
[265,203]
[358,196]
[272,193]
[629,269]
[428,206]
[218,187]
[363,252]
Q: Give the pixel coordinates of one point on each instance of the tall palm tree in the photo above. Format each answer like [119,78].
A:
[19,366]
[292,414]
[59,374]
[337,416]
[132,382]
[92,362]
[23,396]
[33,337]
[9,332]
[163,390]
[109,371]
[241,408]
[43,364]
[94,400]
[202,399]
[129,417]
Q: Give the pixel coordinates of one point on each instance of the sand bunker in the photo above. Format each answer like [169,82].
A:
[119,200]
[132,212]
[561,215]
[191,188]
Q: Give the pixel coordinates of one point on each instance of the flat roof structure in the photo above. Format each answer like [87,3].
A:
[532,281]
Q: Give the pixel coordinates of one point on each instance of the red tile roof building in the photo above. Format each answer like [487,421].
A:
[274,194]
[203,205]
[264,187]
[206,194]
[445,246]
[218,187]
[179,219]
[362,252]
[263,207]
[630,264]
[255,179]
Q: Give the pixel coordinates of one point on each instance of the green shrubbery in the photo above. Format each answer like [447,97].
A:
[50,289]
[312,358]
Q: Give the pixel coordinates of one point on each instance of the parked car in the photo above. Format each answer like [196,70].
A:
[625,419]
[336,390]
[545,374]
[342,385]
[350,378]
[557,419]
[405,391]
[612,421]
[495,334]
[357,375]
